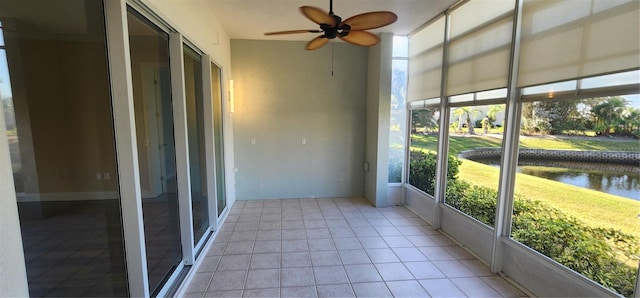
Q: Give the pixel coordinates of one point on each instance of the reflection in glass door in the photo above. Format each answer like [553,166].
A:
[149,47]
[218,137]
[195,131]
[55,93]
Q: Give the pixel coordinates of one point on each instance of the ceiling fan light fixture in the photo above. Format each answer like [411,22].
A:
[350,30]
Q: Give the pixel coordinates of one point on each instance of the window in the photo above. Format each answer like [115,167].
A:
[398,117]
[475,150]
[424,133]
[578,182]
[577,79]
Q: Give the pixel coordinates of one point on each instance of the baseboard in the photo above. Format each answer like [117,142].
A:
[67,196]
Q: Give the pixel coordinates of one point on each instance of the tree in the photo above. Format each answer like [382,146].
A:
[466,112]
[398,99]
[398,88]
[633,121]
[609,115]
[552,117]
[494,110]
[423,118]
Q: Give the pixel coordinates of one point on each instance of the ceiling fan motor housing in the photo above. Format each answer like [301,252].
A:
[340,29]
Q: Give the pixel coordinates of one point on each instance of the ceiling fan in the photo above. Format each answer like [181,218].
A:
[350,30]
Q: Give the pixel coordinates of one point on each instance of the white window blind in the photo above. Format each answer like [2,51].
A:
[570,39]
[480,46]
[425,61]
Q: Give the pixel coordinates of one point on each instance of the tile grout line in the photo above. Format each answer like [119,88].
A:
[316,208]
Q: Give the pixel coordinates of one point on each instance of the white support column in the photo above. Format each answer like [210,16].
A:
[13,272]
[443,144]
[126,146]
[509,162]
[178,99]
[207,99]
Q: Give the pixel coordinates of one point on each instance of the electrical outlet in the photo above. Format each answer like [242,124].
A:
[106,176]
[98,176]
[304,141]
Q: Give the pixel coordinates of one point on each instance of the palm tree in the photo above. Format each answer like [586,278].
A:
[466,112]
[494,110]
[423,118]
[609,114]
[632,119]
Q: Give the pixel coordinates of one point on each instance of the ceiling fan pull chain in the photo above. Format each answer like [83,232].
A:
[333,44]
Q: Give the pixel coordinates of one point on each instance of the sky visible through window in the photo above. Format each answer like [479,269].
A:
[5,83]
[617,79]
[400,46]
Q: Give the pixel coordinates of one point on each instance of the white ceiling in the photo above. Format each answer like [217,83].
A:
[250,19]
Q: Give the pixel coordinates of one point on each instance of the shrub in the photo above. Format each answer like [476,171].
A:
[478,202]
[597,253]
[422,170]
[395,171]
[455,192]
[593,252]
[396,156]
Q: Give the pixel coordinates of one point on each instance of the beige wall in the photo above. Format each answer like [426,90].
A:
[199,25]
[286,96]
[69,113]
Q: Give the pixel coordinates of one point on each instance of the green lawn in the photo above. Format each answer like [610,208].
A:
[595,208]
[456,143]
[461,143]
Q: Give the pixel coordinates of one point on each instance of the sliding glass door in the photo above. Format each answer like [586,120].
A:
[86,193]
[149,47]
[55,92]
[218,137]
[196,139]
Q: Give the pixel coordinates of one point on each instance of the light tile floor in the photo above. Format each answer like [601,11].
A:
[337,248]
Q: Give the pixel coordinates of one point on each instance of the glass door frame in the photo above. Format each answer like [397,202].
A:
[220,169]
[120,77]
[126,143]
[207,95]
[121,93]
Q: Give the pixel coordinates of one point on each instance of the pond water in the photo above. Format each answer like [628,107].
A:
[624,184]
[616,179]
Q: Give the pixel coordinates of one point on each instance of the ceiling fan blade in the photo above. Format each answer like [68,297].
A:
[292,32]
[318,15]
[371,20]
[361,38]
[316,43]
